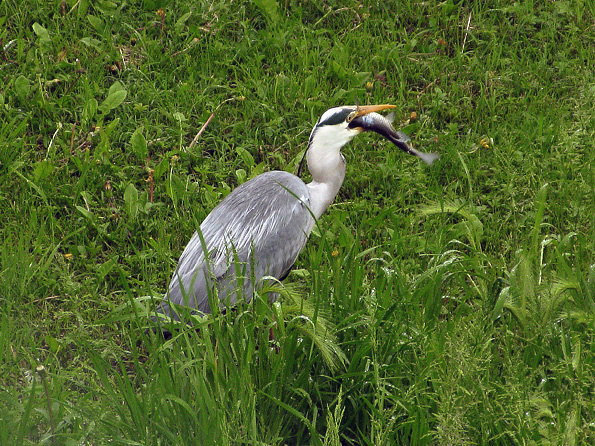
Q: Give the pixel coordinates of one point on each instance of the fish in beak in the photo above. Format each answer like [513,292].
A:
[374,122]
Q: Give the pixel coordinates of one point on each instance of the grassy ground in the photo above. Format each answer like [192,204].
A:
[448,305]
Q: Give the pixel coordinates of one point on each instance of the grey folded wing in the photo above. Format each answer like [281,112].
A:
[258,230]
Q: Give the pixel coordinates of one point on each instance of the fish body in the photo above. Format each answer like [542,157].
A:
[382,125]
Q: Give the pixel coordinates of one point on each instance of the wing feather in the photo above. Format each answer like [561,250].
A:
[258,230]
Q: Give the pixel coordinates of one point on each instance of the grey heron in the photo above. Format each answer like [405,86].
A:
[259,229]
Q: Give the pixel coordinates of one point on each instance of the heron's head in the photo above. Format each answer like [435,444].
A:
[336,127]
[339,125]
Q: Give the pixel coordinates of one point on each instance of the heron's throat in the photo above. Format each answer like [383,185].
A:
[328,172]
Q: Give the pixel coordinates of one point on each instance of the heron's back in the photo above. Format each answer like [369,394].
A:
[258,230]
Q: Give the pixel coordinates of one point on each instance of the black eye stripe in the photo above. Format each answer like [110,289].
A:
[336,118]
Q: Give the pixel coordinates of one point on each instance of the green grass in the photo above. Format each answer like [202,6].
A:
[448,305]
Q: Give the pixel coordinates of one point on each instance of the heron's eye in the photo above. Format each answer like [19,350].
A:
[351,116]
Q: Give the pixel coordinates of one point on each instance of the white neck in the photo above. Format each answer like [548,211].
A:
[327,166]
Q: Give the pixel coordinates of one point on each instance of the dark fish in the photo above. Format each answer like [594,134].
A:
[383,126]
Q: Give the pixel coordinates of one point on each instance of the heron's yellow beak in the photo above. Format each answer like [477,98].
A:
[365,109]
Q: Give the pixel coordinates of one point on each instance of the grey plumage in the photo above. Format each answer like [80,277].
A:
[260,227]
